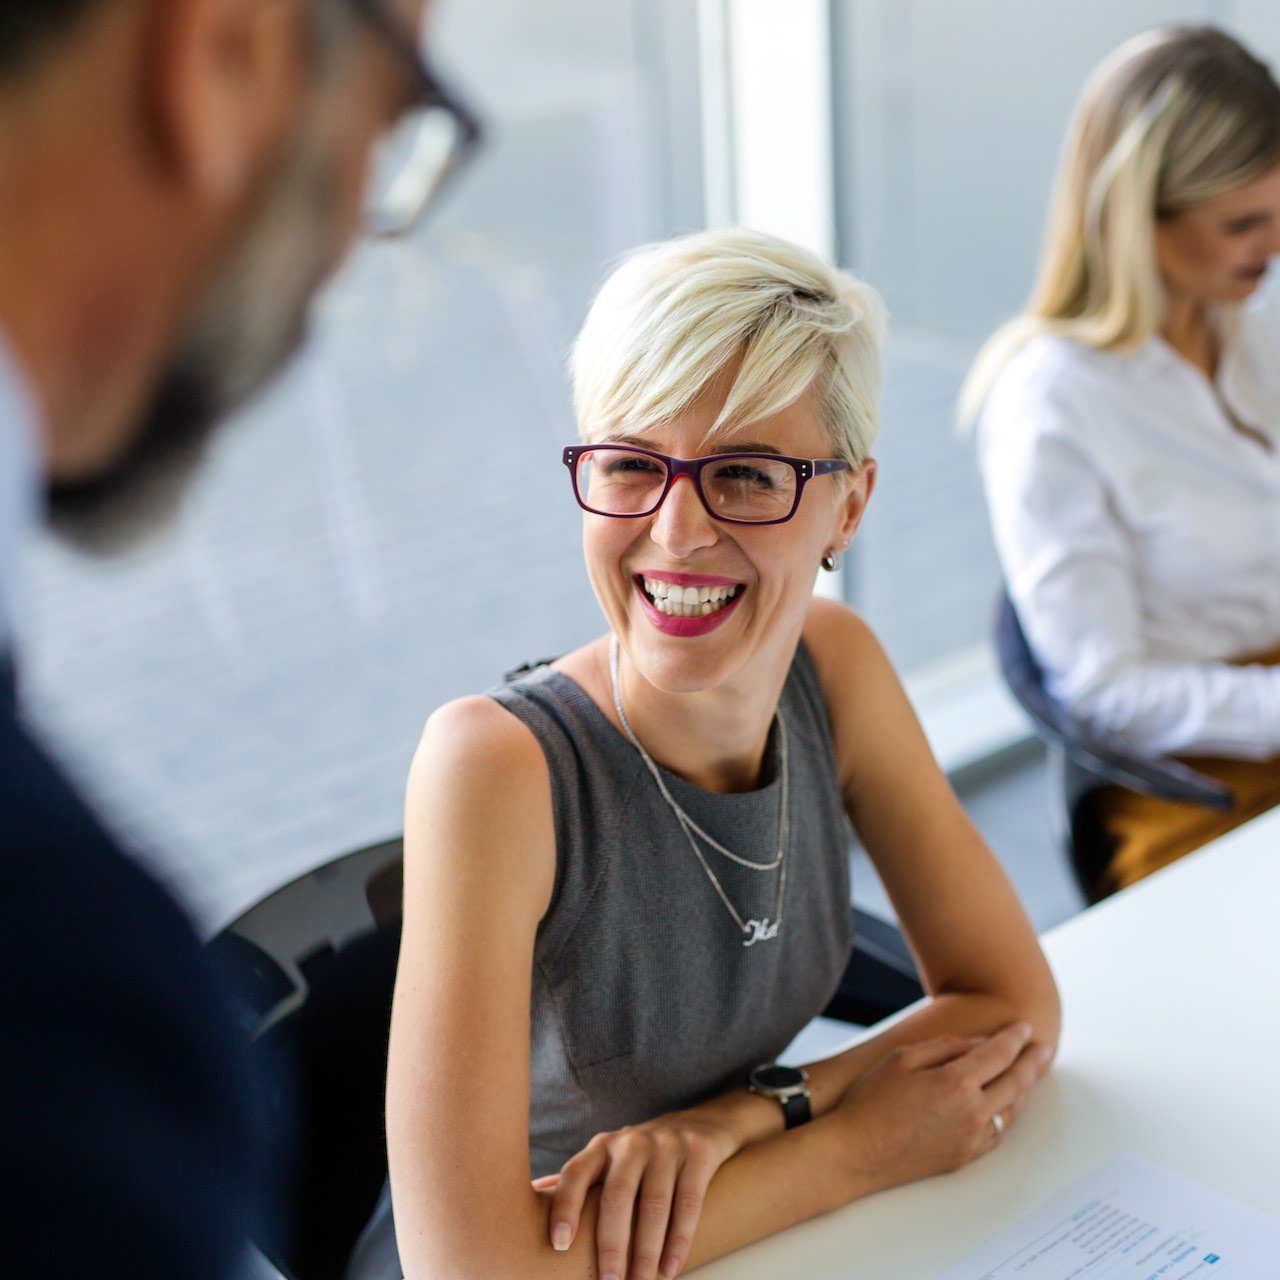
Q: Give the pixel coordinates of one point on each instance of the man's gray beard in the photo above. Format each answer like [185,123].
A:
[254,318]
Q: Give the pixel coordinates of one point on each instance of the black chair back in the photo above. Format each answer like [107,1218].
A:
[1083,762]
[314,967]
[1022,672]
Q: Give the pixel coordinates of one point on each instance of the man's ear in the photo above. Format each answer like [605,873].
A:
[854,502]
[223,86]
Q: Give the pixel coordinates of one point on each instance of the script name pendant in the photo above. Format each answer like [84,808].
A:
[761,931]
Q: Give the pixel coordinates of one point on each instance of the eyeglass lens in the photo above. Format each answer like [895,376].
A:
[617,482]
[410,164]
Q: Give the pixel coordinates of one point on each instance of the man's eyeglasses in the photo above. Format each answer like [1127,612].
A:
[738,488]
[427,147]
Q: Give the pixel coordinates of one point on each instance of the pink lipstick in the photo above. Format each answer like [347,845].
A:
[699,624]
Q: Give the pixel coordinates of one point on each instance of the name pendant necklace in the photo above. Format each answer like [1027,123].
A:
[753,930]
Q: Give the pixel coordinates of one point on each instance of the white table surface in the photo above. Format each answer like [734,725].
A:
[1170,1050]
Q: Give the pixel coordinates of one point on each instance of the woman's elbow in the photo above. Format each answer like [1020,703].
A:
[464,1256]
[1041,1005]
[1123,706]
[504,1239]
[1024,990]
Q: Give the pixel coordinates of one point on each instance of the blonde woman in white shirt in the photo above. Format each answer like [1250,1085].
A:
[1129,429]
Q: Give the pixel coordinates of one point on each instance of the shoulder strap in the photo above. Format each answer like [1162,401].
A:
[525,667]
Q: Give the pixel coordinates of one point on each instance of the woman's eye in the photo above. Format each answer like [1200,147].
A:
[1240,226]
[740,473]
[642,466]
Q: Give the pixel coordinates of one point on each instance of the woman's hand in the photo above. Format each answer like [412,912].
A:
[656,1173]
[930,1108]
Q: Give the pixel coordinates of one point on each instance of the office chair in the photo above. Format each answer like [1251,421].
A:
[1082,763]
[313,966]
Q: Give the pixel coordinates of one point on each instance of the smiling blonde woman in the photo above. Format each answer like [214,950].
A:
[627,875]
[1129,430]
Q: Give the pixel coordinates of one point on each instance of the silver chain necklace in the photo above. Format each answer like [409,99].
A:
[754,930]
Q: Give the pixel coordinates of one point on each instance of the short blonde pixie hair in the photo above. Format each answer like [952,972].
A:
[672,315]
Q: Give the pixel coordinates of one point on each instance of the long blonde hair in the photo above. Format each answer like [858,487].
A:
[1173,117]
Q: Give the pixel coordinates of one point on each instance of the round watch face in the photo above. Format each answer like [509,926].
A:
[776,1078]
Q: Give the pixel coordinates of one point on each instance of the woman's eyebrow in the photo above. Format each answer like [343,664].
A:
[615,437]
[747,446]
[1249,218]
[728,446]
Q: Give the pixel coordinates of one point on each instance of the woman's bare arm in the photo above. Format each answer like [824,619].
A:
[977,952]
[978,955]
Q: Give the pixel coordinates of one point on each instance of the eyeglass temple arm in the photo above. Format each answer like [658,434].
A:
[824,466]
[431,91]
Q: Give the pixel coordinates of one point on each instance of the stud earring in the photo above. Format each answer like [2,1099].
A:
[831,560]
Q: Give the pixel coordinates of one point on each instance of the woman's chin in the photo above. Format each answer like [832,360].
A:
[675,667]
[1244,286]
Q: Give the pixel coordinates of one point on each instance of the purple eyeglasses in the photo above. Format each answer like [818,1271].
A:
[737,488]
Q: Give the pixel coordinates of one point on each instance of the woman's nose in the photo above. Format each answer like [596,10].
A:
[681,525]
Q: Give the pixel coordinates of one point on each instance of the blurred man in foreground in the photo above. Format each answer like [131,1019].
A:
[177,178]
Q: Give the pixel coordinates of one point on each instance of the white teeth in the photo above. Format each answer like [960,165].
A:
[687,602]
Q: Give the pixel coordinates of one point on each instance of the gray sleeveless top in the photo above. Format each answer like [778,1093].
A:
[645,999]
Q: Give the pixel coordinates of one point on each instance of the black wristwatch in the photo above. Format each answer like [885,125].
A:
[787,1086]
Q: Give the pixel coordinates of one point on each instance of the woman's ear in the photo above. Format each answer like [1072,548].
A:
[853,503]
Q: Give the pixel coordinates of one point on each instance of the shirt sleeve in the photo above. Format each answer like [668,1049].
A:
[1071,572]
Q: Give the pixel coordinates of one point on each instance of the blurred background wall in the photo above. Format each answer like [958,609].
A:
[391,527]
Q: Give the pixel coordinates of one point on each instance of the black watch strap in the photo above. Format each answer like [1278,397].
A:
[797,1111]
[787,1086]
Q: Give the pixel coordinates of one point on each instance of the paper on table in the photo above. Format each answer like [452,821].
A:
[1132,1220]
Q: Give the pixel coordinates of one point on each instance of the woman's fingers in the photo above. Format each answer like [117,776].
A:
[1005,1094]
[653,1213]
[617,1208]
[653,1180]
[993,1057]
[936,1052]
[574,1181]
[686,1209]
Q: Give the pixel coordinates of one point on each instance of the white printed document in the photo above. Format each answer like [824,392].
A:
[1132,1220]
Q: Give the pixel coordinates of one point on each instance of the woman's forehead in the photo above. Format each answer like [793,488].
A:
[796,430]
[1260,195]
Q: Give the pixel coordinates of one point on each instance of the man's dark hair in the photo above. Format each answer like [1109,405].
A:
[29,28]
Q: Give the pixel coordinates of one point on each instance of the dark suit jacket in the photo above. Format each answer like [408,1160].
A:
[125,1137]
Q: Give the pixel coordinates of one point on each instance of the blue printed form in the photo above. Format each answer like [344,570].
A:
[1132,1220]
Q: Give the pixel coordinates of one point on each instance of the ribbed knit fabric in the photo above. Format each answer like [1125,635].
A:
[644,998]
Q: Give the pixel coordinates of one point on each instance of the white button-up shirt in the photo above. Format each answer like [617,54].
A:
[1139,531]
